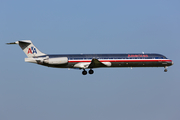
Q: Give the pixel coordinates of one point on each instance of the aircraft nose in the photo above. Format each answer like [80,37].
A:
[171,62]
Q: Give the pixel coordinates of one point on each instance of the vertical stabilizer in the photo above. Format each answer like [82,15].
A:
[29,49]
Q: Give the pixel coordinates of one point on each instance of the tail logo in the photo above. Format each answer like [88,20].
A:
[32,50]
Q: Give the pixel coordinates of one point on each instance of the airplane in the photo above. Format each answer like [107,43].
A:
[91,61]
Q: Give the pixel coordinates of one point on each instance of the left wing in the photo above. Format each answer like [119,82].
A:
[95,63]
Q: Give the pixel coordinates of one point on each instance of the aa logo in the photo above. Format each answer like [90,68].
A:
[32,50]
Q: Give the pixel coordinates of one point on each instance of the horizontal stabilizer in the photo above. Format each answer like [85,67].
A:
[12,43]
[18,42]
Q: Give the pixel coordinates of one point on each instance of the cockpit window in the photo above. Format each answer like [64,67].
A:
[164,57]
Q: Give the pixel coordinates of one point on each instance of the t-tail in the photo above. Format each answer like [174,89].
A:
[29,49]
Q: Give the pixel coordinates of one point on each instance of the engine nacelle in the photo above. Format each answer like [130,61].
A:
[56,61]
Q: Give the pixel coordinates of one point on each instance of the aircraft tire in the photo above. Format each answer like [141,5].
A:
[84,72]
[91,71]
[165,70]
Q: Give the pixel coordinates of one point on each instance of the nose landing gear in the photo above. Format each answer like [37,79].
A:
[165,70]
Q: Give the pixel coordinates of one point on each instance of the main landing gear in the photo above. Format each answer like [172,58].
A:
[84,72]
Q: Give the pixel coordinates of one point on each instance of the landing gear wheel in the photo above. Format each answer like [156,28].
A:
[165,70]
[84,72]
[91,71]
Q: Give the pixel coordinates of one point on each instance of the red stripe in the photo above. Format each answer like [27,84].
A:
[124,60]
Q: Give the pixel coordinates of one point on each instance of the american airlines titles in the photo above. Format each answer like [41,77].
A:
[137,55]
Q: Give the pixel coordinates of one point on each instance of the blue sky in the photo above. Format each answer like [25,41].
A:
[29,91]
